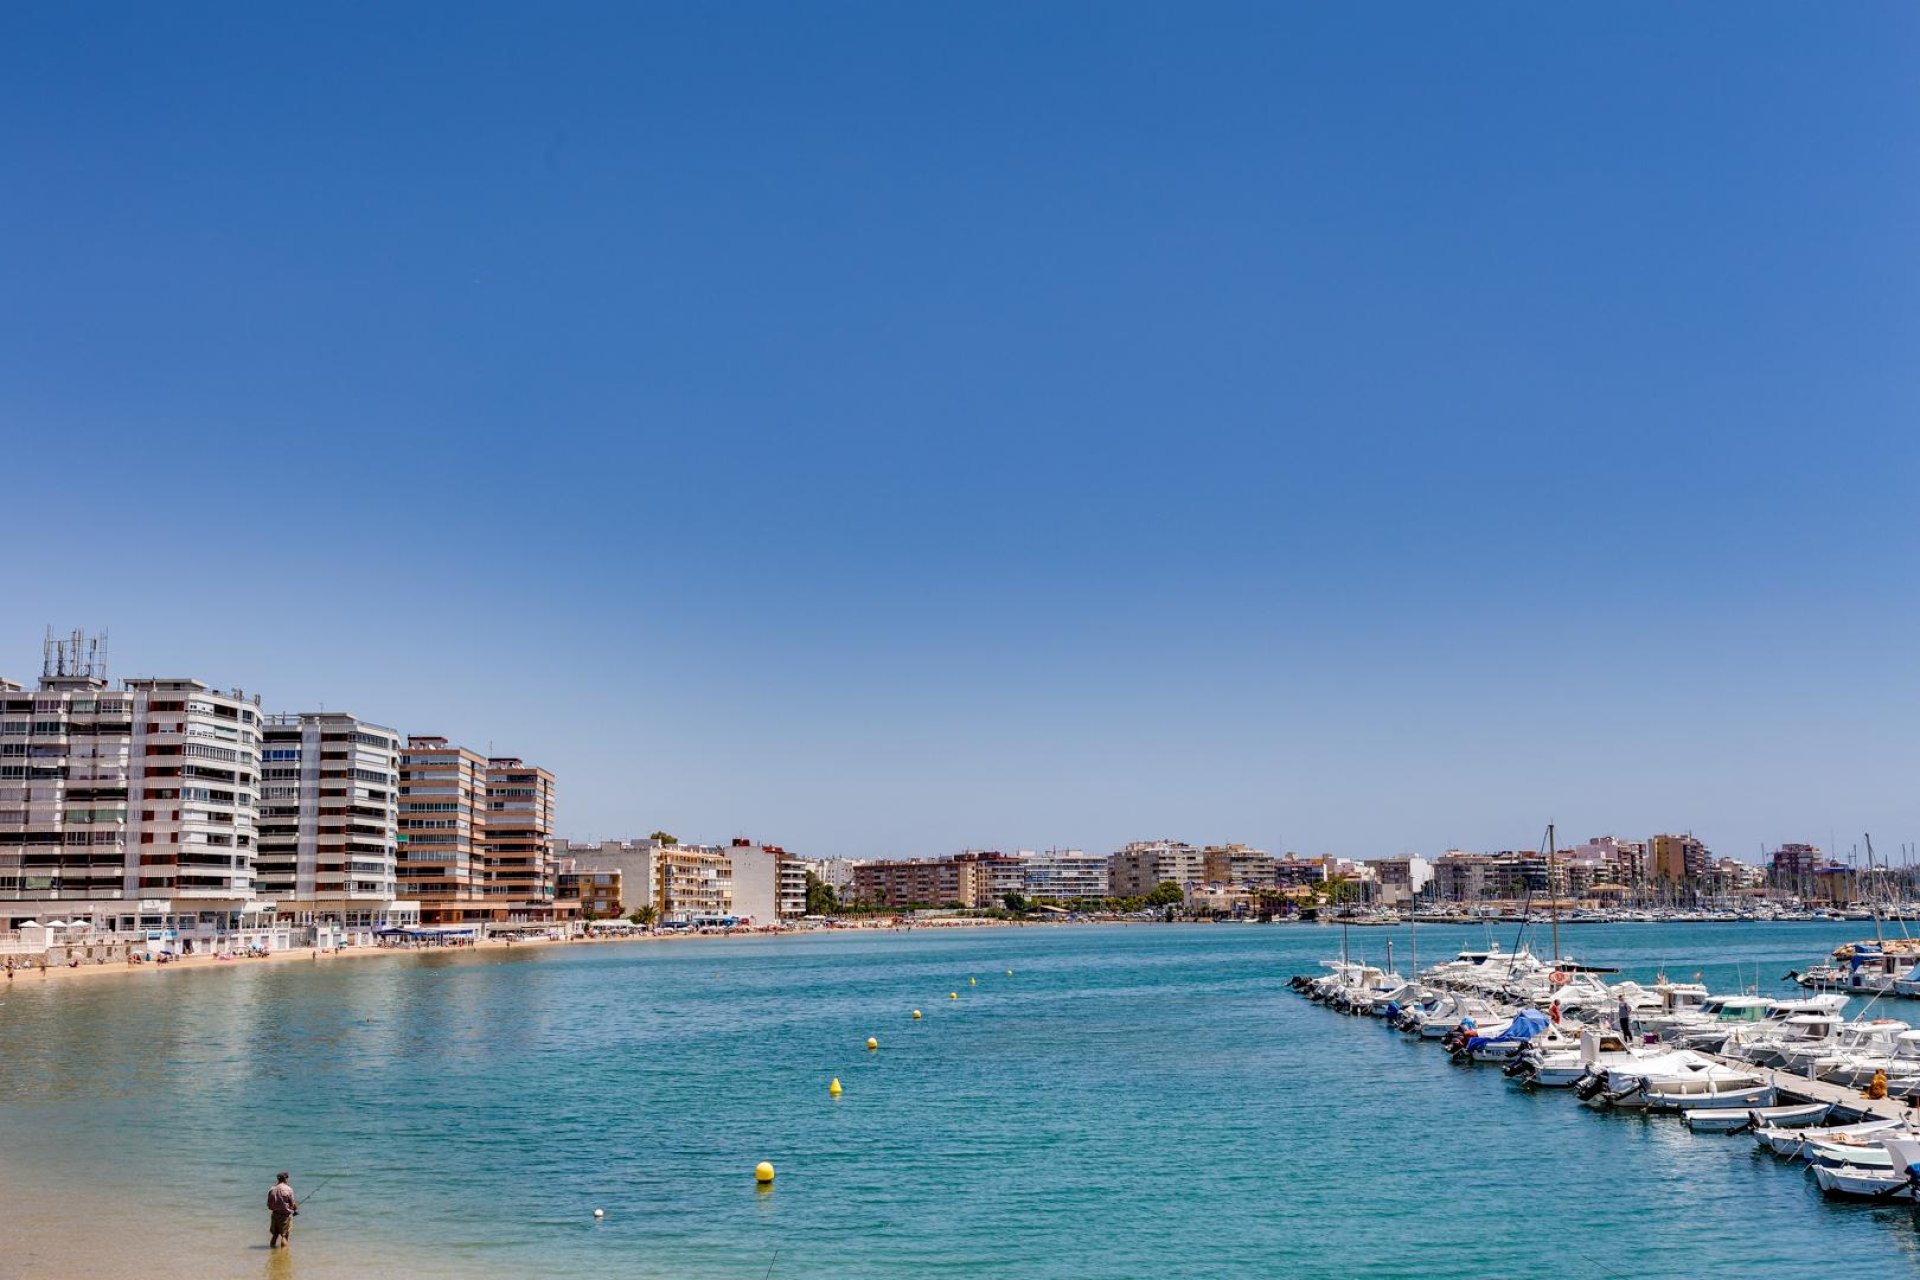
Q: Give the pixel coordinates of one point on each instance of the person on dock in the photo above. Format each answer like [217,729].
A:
[281,1206]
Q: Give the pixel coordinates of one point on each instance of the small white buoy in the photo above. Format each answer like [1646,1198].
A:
[599,1213]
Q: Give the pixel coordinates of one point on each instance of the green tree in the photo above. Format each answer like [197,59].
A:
[821,899]
[1166,894]
[664,838]
[645,916]
[1019,904]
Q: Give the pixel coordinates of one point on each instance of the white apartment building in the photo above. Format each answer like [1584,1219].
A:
[1140,867]
[769,884]
[329,825]
[1063,874]
[133,809]
[836,873]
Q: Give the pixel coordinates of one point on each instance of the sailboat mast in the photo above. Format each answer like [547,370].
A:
[1553,896]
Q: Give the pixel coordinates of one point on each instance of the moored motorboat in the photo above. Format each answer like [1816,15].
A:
[1731,1120]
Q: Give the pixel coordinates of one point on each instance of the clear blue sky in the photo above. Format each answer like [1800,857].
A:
[888,428]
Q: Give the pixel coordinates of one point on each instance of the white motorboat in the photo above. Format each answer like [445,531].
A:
[1730,1120]
[1454,1009]
[1767,1044]
[1897,1181]
[1896,1054]
[1598,1052]
[1794,1143]
[1681,1081]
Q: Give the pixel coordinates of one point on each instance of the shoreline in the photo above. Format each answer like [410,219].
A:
[31,975]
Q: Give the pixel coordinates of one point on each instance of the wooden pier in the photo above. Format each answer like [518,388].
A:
[1798,1088]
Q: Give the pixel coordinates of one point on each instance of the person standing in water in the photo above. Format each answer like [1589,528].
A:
[281,1206]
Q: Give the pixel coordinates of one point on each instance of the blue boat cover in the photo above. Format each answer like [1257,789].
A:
[1526,1024]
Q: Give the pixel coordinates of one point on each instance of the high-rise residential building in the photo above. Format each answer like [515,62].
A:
[476,836]
[443,818]
[923,882]
[1061,875]
[133,808]
[1679,859]
[1138,868]
[516,839]
[329,823]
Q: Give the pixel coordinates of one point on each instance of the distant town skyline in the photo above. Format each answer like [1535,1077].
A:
[889,431]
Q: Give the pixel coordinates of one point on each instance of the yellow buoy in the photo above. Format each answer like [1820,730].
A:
[763,1172]
[916,1014]
[953,995]
[872,1043]
[973,982]
[1009,973]
[834,1088]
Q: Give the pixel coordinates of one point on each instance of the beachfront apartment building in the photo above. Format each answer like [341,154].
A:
[1138,868]
[476,836]
[632,860]
[600,894]
[1061,875]
[330,824]
[443,813]
[692,883]
[516,843]
[134,809]
[769,884]
[924,882]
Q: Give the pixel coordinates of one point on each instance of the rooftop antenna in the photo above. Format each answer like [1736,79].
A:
[75,656]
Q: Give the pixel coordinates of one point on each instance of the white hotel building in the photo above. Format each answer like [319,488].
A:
[133,809]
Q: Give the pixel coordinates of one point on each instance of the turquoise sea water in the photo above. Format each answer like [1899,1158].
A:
[1133,1101]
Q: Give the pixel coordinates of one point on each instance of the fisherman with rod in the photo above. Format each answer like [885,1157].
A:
[281,1208]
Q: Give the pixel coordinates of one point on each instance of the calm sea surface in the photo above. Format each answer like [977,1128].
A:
[1132,1101]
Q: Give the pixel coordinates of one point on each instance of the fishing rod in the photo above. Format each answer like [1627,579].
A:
[307,1199]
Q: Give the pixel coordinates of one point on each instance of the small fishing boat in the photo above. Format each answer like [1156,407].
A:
[1899,1179]
[1729,1120]
[1794,1143]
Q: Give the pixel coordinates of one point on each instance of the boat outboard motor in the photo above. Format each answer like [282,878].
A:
[1615,1095]
[1589,1084]
[1910,1187]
